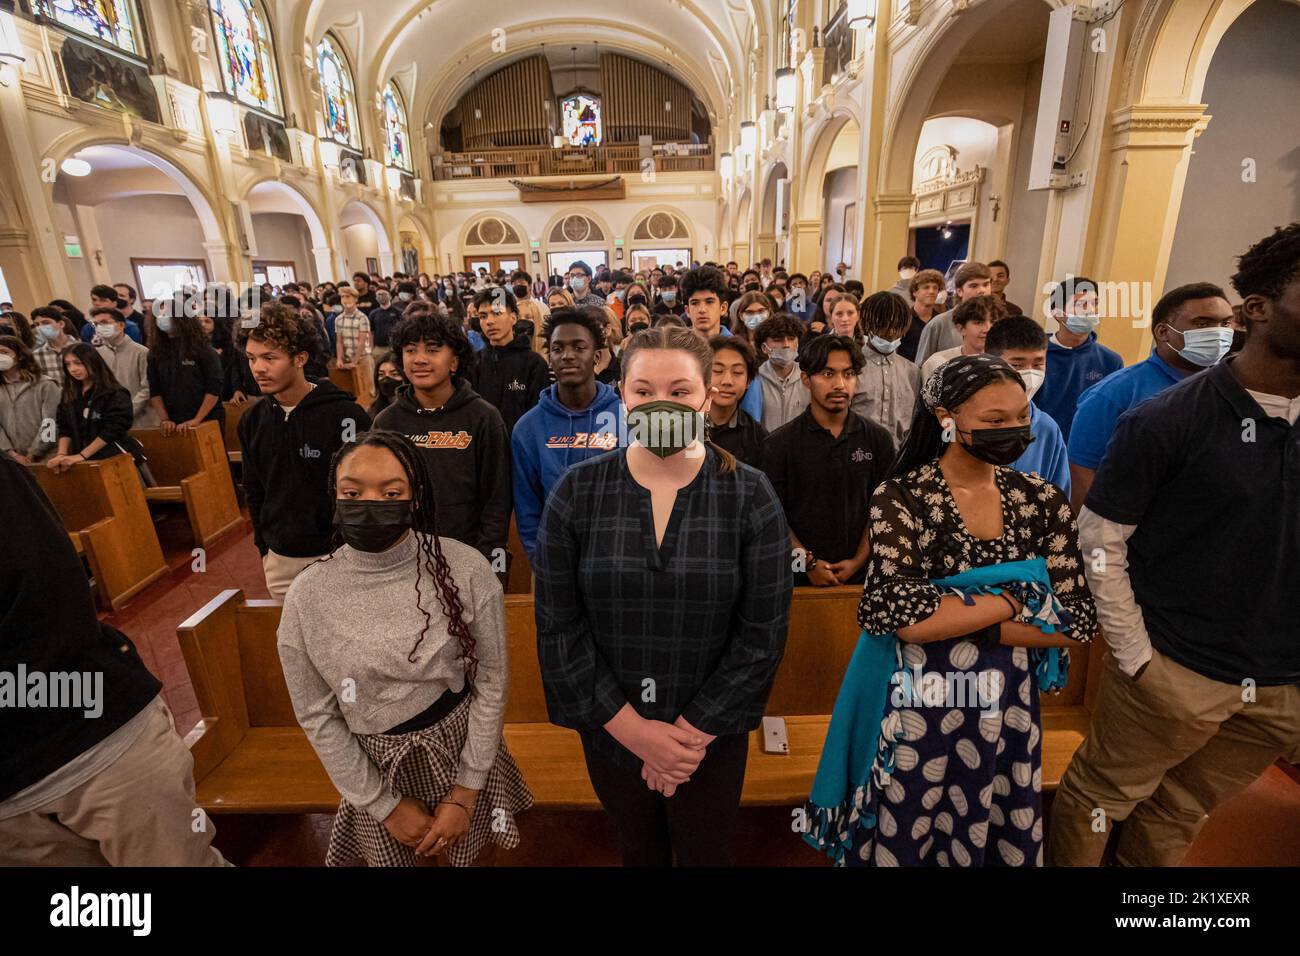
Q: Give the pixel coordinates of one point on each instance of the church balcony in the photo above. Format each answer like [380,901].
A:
[542,161]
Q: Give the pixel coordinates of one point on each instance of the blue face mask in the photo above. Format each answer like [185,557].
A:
[669,298]
[578,284]
[754,320]
[48,332]
[1205,347]
[885,346]
[1081,324]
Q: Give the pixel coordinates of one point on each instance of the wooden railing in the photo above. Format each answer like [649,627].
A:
[569,161]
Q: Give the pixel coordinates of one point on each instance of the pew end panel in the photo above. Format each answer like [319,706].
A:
[103,509]
[192,467]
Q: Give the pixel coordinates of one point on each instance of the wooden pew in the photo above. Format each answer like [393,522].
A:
[234,413]
[103,508]
[354,381]
[520,579]
[192,467]
[251,757]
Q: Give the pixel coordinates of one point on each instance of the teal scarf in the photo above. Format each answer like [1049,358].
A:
[855,744]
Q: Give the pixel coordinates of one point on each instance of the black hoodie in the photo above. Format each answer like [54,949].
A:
[48,626]
[467,448]
[511,377]
[286,468]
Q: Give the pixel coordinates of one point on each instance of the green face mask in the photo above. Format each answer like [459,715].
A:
[665,427]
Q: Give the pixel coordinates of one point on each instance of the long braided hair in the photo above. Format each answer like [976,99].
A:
[424,521]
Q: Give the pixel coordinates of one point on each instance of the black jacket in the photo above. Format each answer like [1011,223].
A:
[182,383]
[511,377]
[108,415]
[48,625]
[467,449]
[382,323]
[744,438]
[286,468]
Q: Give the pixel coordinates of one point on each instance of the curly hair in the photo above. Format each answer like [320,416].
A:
[434,330]
[424,521]
[282,327]
[1270,265]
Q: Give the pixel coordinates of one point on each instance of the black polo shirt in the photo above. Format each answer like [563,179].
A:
[1213,485]
[742,437]
[825,483]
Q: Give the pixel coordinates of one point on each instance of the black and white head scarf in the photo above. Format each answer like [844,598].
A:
[958,379]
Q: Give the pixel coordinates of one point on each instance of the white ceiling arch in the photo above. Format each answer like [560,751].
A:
[705,45]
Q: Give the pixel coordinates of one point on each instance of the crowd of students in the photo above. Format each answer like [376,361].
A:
[679,449]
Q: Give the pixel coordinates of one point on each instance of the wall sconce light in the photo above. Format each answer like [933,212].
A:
[394,180]
[748,137]
[861,14]
[725,166]
[785,86]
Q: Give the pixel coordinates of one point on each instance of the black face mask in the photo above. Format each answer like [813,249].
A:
[388,386]
[636,300]
[638,327]
[372,526]
[999,446]
[520,291]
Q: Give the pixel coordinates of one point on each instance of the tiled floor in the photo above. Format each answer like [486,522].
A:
[1261,827]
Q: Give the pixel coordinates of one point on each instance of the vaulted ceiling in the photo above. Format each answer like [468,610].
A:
[433,49]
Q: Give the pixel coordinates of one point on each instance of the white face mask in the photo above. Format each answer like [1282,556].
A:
[6,362]
[106,331]
[906,273]
[1033,379]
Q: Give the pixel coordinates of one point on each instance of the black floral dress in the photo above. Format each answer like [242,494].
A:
[965,785]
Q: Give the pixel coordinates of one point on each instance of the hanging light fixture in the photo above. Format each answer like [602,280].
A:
[748,137]
[785,90]
[725,159]
[75,167]
[861,14]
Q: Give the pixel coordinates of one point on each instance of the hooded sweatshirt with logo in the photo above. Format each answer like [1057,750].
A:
[286,468]
[548,440]
[467,450]
[511,377]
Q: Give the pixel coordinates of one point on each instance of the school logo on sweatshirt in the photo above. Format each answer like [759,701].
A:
[459,440]
[306,451]
[516,386]
[602,441]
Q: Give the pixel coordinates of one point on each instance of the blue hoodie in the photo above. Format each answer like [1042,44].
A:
[550,437]
[1069,372]
[1046,457]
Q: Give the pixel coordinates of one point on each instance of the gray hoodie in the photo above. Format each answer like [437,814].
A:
[24,408]
[783,398]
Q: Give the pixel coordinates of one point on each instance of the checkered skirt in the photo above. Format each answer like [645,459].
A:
[423,765]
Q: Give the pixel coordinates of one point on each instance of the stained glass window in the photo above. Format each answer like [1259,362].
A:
[112,21]
[337,92]
[581,115]
[245,52]
[396,130]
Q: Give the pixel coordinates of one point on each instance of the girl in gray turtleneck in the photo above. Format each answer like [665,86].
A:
[394,652]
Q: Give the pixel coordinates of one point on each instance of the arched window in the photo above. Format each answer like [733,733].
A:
[337,92]
[395,129]
[116,22]
[246,54]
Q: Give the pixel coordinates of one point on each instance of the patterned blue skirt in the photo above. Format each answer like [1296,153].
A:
[963,782]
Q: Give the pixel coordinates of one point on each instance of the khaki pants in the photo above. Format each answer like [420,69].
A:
[280,571]
[138,811]
[1161,753]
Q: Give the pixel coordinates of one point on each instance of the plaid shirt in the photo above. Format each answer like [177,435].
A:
[50,360]
[704,616]
[348,329]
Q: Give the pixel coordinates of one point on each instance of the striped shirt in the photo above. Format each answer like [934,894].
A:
[348,329]
[50,360]
[694,628]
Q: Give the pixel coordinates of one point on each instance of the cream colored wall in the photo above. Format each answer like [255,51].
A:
[284,237]
[1253,93]
[148,227]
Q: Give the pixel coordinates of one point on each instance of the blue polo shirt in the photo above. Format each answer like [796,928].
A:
[1102,405]
[1069,373]
[1046,456]
[1213,485]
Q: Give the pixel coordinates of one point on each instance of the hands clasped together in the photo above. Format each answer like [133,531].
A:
[411,824]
